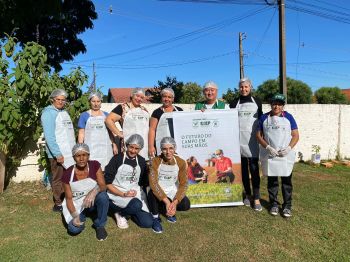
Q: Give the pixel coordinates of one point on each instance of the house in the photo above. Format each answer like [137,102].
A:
[122,94]
[346,92]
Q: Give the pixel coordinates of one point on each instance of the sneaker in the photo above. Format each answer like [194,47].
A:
[257,207]
[246,202]
[121,221]
[171,219]
[57,208]
[287,212]
[101,233]
[274,211]
[157,226]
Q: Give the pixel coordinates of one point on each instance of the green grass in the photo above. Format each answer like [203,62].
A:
[318,231]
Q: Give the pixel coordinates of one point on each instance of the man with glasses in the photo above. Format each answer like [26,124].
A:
[210,92]
[223,167]
[59,139]
[126,177]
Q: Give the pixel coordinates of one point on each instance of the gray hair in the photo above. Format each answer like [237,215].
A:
[135,139]
[58,92]
[80,147]
[247,80]
[167,141]
[97,94]
[211,84]
[167,90]
[137,90]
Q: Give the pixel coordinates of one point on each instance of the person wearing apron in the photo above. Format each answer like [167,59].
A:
[133,118]
[93,132]
[277,135]
[59,140]
[210,92]
[85,193]
[126,178]
[159,125]
[168,182]
[249,111]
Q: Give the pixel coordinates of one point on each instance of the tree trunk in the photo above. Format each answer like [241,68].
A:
[2,171]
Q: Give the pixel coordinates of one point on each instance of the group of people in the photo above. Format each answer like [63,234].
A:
[125,162]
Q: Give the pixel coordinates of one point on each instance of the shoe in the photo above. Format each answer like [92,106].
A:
[171,219]
[57,208]
[287,212]
[257,207]
[246,202]
[274,211]
[121,221]
[101,233]
[157,226]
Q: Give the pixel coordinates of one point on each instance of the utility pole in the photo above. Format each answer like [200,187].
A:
[92,87]
[242,36]
[282,48]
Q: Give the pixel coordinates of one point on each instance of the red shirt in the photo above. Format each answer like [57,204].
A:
[222,164]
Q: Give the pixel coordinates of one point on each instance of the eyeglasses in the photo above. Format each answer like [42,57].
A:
[60,100]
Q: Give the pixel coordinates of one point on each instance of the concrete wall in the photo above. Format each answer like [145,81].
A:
[324,125]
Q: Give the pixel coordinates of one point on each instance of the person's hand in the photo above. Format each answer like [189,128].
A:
[151,151]
[77,222]
[171,211]
[130,193]
[115,149]
[284,151]
[60,159]
[273,152]
[90,198]
[203,109]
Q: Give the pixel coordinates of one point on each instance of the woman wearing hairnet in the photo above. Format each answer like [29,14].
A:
[126,177]
[84,188]
[159,122]
[93,131]
[133,119]
[168,182]
[59,140]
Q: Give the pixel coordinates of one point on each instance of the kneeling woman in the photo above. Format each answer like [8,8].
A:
[125,176]
[84,188]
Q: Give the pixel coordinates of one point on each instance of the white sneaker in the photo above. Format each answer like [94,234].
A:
[121,221]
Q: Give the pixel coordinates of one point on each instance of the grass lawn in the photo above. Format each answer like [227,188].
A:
[318,231]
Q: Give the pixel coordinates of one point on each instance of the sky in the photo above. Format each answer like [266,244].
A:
[136,43]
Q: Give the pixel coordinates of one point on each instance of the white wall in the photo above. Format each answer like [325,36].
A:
[324,125]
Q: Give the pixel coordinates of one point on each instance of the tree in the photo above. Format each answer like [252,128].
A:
[297,91]
[191,93]
[170,82]
[24,92]
[230,95]
[54,24]
[330,95]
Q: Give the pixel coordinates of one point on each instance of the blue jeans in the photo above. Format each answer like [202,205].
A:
[101,206]
[134,209]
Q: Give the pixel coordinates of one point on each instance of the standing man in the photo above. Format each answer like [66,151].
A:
[249,111]
[60,139]
[210,92]
[278,134]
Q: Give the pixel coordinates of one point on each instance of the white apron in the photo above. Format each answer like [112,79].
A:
[79,189]
[98,140]
[127,178]
[277,132]
[248,122]
[136,121]
[168,178]
[163,128]
[65,137]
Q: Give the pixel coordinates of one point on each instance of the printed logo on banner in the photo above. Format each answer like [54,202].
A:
[205,123]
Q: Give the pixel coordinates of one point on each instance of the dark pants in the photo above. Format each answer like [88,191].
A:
[100,206]
[157,206]
[251,165]
[134,209]
[56,184]
[287,188]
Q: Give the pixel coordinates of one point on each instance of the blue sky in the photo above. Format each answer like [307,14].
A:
[200,43]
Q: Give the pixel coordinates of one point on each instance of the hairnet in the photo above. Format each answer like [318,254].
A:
[137,90]
[167,90]
[80,147]
[210,84]
[58,92]
[167,141]
[135,139]
[97,94]
[247,80]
